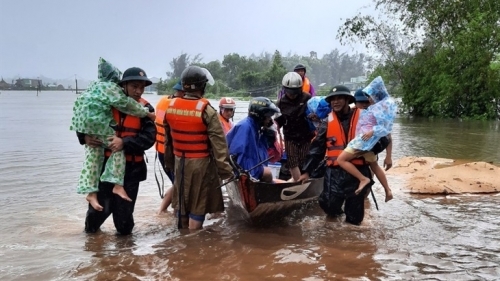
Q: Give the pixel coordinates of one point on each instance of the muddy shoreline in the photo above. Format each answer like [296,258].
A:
[430,175]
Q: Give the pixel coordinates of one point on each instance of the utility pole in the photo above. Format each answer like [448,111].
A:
[38,87]
[76,85]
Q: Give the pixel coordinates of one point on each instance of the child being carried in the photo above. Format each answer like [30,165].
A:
[374,123]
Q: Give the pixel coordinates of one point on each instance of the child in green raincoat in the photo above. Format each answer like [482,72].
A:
[92,116]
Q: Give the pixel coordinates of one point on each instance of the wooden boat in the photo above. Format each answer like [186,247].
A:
[257,201]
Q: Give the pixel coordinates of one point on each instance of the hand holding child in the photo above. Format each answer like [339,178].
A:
[92,141]
[367,136]
[115,143]
[152,116]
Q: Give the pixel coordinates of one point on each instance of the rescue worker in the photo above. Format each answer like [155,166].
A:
[333,136]
[250,139]
[196,150]
[227,106]
[296,127]
[307,87]
[134,136]
[161,107]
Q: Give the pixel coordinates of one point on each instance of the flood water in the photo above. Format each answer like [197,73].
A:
[409,238]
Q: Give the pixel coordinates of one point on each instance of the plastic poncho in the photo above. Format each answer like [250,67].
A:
[246,142]
[320,107]
[379,117]
[92,110]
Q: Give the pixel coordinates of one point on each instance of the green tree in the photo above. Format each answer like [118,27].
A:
[164,87]
[440,53]
[277,70]
[495,64]
[180,63]
[262,74]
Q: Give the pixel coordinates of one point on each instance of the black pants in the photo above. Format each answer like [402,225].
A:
[354,207]
[121,209]
[338,188]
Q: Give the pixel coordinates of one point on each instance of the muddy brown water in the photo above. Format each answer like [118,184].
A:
[411,237]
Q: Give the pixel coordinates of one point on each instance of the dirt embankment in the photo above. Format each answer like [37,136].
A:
[428,175]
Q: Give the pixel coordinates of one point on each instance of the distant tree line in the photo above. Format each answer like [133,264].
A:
[440,57]
[26,84]
[239,75]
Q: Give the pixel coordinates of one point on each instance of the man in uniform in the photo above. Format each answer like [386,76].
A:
[196,151]
[333,136]
[134,136]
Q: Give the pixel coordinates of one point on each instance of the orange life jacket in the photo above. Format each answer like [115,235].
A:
[187,128]
[161,107]
[306,85]
[128,125]
[226,124]
[335,138]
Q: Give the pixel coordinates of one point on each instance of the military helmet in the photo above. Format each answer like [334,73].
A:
[193,79]
[135,74]
[340,90]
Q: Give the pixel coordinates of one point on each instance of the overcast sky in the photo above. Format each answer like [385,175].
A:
[60,38]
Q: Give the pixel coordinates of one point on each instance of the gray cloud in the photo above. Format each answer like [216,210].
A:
[60,38]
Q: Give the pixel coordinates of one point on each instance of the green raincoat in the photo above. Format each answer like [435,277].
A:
[92,115]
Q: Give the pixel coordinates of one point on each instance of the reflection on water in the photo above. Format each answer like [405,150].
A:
[411,237]
[471,140]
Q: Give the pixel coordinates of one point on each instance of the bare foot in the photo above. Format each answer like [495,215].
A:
[92,199]
[388,195]
[362,185]
[161,211]
[120,191]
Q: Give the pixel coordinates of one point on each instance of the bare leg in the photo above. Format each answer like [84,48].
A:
[195,225]
[379,172]
[167,199]
[344,163]
[295,171]
[92,198]
[120,191]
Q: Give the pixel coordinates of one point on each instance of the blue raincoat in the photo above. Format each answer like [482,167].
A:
[246,142]
[379,117]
